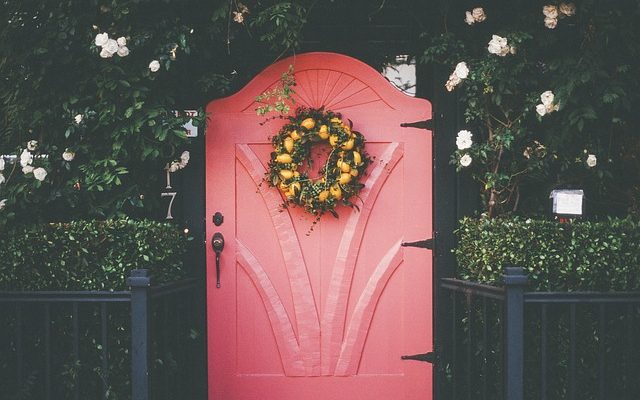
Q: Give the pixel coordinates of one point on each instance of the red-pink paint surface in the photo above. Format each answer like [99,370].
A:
[323,313]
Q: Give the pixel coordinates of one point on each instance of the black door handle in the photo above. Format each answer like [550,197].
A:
[218,245]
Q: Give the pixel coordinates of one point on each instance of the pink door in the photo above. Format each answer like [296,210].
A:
[324,313]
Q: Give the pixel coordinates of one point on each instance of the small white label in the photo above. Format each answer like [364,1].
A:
[567,202]
[190,129]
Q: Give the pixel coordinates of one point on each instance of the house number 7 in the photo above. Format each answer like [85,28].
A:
[169,194]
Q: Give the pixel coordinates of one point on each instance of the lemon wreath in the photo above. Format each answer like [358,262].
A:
[339,179]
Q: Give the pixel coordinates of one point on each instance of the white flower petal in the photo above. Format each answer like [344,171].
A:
[541,109]
[101,39]
[154,66]
[122,41]
[592,160]
[123,51]
[465,160]
[40,173]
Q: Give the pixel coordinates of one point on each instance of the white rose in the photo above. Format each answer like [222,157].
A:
[173,167]
[453,81]
[68,155]
[498,45]
[104,53]
[541,109]
[469,18]
[547,97]
[478,14]
[2,180]
[32,145]
[550,23]
[592,161]
[154,66]
[550,11]
[27,169]
[101,39]
[465,160]
[122,41]
[500,40]
[3,203]
[40,173]
[111,46]
[463,143]
[123,51]
[78,118]
[1,163]
[185,156]
[26,158]
[568,9]
[461,71]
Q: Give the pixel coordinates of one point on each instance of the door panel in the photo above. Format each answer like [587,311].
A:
[326,309]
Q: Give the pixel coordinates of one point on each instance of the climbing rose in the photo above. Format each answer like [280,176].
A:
[104,53]
[547,97]
[498,45]
[40,173]
[567,9]
[550,23]
[27,169]
[78,118]
[122,41]
[478,14]
[463,141]
[68,155]
[154,66]
[541,109]
[592,160]
[101,39]
[468,18]
[465,160]
[550,11]
[26,158]
[462,71]
[123,51]
[32,145]
[111,46]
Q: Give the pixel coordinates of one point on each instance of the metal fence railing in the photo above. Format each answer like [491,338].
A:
[509,343]
[146,342]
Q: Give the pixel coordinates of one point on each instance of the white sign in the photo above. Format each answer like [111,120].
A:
[191,130]
[567,202]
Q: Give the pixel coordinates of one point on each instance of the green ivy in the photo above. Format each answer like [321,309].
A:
[89,255]
[579,255]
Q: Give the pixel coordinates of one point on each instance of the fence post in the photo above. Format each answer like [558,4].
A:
[515,282]
[140,282]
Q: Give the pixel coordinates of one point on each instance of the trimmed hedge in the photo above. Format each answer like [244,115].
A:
[89,255]
[582,255]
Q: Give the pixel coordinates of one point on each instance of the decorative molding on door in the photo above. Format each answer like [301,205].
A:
[321,348]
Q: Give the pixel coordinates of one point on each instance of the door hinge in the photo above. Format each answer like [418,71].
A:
[426,124]
[423,244]
[425,357]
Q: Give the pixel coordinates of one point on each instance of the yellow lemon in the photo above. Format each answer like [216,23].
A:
[323,196]
[348,145]
[344,166]
[336,120]
[288,144]
[283,187]
[295,135]
[286,174]
[357,158]
[308,123]
[324,132]
[354,172]
[336,192]
[296,174]
[345,178]
[333,140]
[284,158]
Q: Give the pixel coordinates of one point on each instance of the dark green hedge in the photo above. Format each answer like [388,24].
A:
[583,255]
[89,255]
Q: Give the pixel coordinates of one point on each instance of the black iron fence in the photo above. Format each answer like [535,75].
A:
[512,344]
[147,342]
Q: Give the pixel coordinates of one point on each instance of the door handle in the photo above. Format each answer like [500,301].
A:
[218,245]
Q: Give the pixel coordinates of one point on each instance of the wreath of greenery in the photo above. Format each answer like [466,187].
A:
[339,180]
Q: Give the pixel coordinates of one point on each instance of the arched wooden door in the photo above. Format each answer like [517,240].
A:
[325,314]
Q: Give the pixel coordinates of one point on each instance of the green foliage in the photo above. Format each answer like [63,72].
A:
[587,62]
[580,255]
[52,72]
[89,255]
